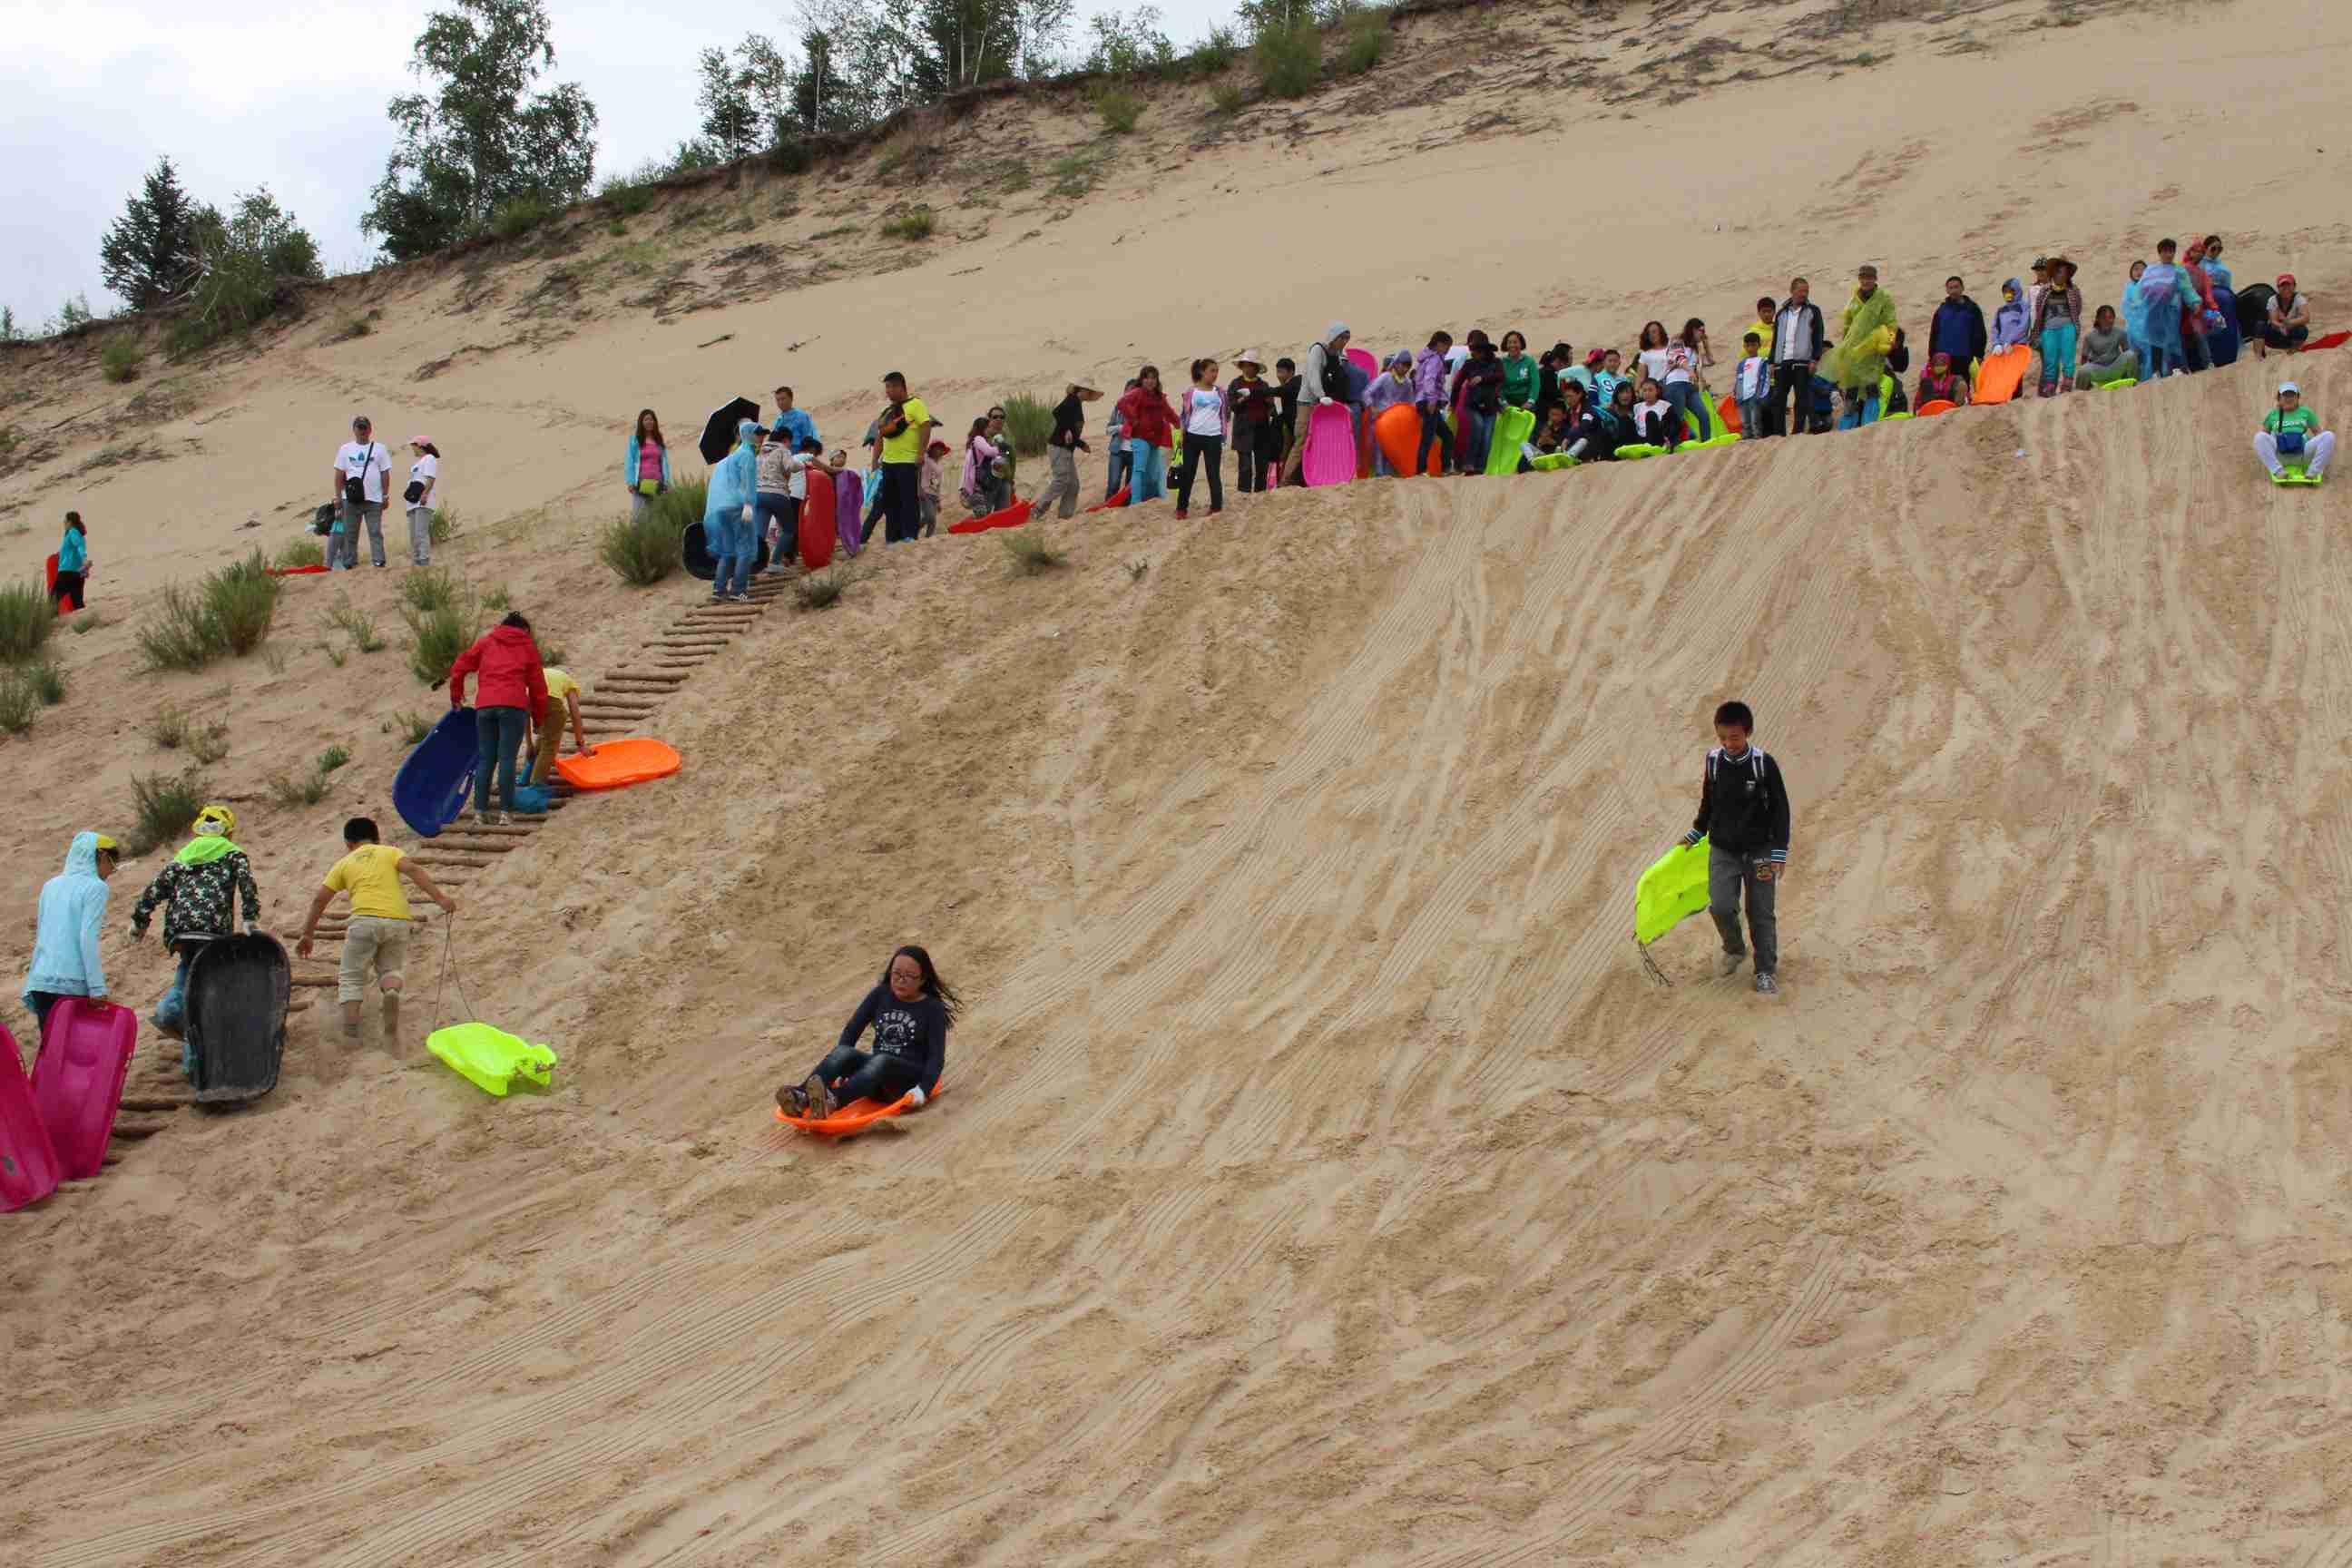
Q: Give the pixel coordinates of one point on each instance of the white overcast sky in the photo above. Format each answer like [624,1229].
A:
[243,93]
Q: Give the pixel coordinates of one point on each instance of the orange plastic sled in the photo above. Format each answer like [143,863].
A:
[615,763]
[1936,406]
[1397,430]
[1727,415]
[856,1117]
[2003,374]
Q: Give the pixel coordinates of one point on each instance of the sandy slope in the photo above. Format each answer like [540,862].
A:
[1318,1181]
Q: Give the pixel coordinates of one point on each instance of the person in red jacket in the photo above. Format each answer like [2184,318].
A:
[1151,421]
[510,702]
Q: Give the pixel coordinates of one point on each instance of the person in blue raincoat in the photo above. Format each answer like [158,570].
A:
[73,909]
[726,530]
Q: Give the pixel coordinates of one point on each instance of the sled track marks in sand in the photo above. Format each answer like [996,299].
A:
[1321,1182]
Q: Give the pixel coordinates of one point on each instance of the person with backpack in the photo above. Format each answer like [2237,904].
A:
[1743,815]
[982,486]
[2291,430]
[1323,383]
[362,469]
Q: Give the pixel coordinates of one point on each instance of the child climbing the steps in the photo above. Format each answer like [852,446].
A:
[202,884]
[910,1011]
[1743,813]
[375,935]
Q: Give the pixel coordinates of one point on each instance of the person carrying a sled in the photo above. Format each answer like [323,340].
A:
[910,1011]
[204,883]
[1743,813]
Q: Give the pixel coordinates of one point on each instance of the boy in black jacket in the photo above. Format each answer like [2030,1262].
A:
[1743,810]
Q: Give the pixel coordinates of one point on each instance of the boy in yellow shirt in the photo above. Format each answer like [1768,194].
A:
[375,935]
[562,704]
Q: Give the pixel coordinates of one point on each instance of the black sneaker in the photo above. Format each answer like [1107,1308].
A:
[1765,984]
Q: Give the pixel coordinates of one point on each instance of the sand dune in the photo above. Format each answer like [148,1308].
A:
[1318,1180]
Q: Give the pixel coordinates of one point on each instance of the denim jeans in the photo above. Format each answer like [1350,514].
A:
[499,733]
[1683,394]
[1120,466]
[1146,472]
[172,1011]
[773,513]
[1477,434]
[1754,422]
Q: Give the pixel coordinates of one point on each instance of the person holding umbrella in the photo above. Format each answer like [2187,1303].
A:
[904,429]
[726,526]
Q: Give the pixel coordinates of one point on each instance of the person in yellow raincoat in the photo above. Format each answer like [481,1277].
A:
[1865,334]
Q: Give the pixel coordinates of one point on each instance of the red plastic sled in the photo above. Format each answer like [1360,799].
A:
[28,1162]
[78,1081]
[817,524]
[856,1117]
[2332,341]
[615,764]
[50,566]
[1112,501]
[295,571]
[1012,516]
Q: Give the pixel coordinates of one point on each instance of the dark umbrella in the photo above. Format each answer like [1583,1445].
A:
[719,430]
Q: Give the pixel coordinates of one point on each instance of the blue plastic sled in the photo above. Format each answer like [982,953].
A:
[437,782]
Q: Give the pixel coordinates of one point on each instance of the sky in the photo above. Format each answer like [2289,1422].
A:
[242,93]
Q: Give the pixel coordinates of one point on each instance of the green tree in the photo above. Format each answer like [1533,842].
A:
[744,98]
[1124,45]
[149,254]
[247,265]
[484,135]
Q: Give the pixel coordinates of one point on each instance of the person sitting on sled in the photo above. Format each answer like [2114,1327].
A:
[2291,430]
[910,1011]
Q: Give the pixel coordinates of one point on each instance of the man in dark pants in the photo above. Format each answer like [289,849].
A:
[1796,353]
[1743,812]
[906,430]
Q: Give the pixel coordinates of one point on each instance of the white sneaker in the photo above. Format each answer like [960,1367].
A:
[1728,964]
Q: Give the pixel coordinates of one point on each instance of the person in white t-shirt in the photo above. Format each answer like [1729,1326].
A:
[362,469]
[423,498]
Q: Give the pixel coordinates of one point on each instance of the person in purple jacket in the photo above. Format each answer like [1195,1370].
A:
[1429,372]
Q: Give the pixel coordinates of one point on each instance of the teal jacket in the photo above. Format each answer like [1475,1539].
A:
[73,552]
[73,911]
[629,465]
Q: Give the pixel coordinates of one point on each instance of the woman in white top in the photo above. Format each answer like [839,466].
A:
[1203,414]
[423,498]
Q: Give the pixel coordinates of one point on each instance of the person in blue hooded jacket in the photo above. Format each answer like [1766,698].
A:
[726,530]
[73,909]
[2010,322]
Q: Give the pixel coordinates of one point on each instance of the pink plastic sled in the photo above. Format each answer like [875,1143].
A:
[77,1082]
[28,1162]
[1330,455]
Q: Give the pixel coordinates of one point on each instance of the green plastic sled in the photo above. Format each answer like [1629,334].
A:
[1634,451]
[491,1058]
[1552,462]
[1672,891]
[2291,473]
[1512,429]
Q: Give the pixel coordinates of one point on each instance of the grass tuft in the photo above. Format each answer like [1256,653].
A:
[88,622]
[27,615]
[48,681]
[413,729]
[333,757]
[644,549]
[119,360]
[164,806]
[1029,552]
[17,703]
[1030,422]
[1366,40]
[230,612]
[515,218]
[915,224]
[302,552]
[821,590]
[1289,60]
[1120,106]
[443,527]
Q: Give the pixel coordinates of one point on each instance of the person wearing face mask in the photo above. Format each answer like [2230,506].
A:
[910,1011]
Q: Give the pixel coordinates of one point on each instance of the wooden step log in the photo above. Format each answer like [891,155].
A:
[131,1132]
[152,1100]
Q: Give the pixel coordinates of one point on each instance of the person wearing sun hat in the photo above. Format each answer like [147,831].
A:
[2289,323]
[1256,406]
[1062,449]
[422,497]
[2292,431]
[204,883]
[66,961]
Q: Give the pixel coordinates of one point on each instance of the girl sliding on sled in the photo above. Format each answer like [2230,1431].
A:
[910,1011]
